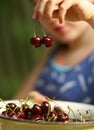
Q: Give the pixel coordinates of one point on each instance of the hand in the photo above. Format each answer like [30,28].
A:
[64,10]
[37,96]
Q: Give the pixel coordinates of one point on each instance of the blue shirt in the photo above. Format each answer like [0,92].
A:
[69,84]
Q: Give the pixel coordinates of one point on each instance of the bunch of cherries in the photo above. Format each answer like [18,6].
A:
[38,41]
[38,112]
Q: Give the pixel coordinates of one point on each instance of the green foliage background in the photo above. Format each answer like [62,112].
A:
[17,56]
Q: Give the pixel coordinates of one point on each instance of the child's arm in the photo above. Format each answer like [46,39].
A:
[27,89]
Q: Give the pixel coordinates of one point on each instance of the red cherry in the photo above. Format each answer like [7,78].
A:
[47,41]
[4,113]
[36,41]
[36,118]
[52,116]
[28,115]
[45,106]
[36,109]
[11,106]
[25,108]
[21,115]
[58,111]
[10,113]
[17,109]
[63,118]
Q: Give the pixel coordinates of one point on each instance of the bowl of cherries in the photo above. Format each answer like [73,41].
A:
[49,115]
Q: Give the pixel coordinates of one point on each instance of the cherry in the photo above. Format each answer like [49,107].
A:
[58,111]
[47,41]
[11,106]
[10,113]
[28,115]
[14,116]
[25,108]
[4,113]
[36,110]
[17,109]
[21,115]
[36,41]
[52,116]
[63,118]
[36,118]
[45,106]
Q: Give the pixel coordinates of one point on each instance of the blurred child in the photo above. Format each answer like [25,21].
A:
[67,70]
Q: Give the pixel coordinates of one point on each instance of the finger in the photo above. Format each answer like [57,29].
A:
[39,9]
[50,8]
[34,14]
[41,98]
[37,96]
[64,6]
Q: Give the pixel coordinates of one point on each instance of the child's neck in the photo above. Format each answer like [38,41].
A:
[76,52]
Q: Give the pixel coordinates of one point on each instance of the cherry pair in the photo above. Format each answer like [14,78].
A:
[38,41]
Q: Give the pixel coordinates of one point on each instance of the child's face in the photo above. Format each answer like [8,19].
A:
[67,32]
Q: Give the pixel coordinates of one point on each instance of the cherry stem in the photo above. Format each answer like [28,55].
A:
[34,29]
[70,110]
[89,112]
[34,33]
[43,31]
[1,100]
[82,116]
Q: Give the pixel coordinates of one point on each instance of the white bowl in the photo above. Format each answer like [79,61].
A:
[13,124]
